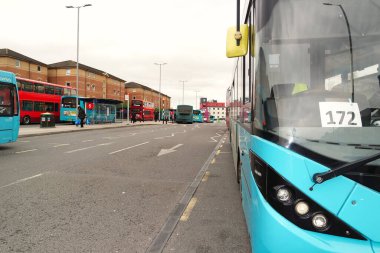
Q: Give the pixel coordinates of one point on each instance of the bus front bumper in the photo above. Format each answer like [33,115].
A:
[271,232]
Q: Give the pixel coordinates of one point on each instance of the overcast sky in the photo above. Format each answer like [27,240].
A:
[126,37]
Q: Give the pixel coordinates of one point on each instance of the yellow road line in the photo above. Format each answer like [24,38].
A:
[186,214]
[205,177]
[218,152]
[213,161]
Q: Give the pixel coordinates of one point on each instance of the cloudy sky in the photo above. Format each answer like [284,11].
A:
[126,37]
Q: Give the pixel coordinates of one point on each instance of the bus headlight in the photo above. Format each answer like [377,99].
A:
[283,194]
[319,221]
[302,208]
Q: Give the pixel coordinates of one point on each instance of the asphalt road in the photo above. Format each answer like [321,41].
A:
[119,190]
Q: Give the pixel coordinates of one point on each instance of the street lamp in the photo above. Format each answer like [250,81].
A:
[159,91]
[78,7]
[196,98]
[350,41]
[183,91]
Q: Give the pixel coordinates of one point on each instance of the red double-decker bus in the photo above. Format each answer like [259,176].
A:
[144,110]
[37,97]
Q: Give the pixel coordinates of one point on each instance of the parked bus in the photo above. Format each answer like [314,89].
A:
[37,97]
[304,124]
[197,116]
[9,108]
[144,110]
[184,114]
[98,110]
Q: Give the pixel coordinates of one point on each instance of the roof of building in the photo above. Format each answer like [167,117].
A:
[5,52]
[137,85]
[73,64]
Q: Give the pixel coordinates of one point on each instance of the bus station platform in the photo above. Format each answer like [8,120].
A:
[36,130]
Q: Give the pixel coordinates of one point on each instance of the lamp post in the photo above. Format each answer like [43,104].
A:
[350,41]
[183,91]
[78,8]
[159,91]
[196,98]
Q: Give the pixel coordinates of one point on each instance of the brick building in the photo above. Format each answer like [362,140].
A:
[22,65]
[92,82]
[142,92]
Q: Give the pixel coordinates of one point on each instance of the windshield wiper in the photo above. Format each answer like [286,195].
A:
[319,178]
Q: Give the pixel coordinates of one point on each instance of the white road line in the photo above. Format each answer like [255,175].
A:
[60,145]
[23,141]
[80,149]
[117,151]
[26,151]
[87,140]
[21,180]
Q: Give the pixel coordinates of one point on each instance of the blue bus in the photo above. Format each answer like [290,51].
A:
[97,110]
[197,116]
[184,114]
[9,108]
[304,102]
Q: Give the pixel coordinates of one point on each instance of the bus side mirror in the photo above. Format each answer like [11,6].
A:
[234,49]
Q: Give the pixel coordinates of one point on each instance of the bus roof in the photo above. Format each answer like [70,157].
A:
[45,83]
[7,77]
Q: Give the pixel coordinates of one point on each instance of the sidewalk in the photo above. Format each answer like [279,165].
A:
[36,130]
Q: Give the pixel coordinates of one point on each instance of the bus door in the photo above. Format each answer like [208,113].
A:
[9,119]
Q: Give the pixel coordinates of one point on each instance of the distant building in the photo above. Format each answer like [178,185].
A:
[147,94]
[23,66]
[92,82]
[218,110]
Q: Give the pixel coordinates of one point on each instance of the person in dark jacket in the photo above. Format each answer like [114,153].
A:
[81,115]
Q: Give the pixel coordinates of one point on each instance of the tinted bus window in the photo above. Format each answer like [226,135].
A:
[5,101]
[69,102]
[49,107]
[58,91]
[49,89]
[26,86]
[27,105]
[39,88]
[39,106]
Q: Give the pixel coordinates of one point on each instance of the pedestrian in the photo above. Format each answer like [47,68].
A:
[155,116]
[133,117]
[81,115]
[166,119]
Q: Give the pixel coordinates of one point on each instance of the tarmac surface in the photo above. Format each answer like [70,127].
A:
[36,130]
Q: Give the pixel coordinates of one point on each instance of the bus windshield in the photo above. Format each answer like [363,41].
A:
[319,81]
[69,102]
[7,106]
[185,109]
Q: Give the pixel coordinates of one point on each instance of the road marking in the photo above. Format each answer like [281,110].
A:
[213,161]
[23,141]
[205,177]
[218,152]
[168,151]
[80,149]
[26,151]
[21,180]
[186,214]
[117,151]
[60,145]
[87,140]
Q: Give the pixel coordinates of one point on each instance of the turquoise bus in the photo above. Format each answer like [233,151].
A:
[97,110]
[184,114]
[197,116]
[9,108]
[304,102]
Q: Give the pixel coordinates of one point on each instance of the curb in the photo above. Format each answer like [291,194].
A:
[81,130]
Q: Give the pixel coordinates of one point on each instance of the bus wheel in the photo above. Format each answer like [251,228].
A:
[26,120]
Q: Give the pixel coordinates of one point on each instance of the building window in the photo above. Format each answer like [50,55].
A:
[93,87]
[68,84]
[68,72]
[18,63]
[114,92]
[39,68]
[88,86]
[134,97]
